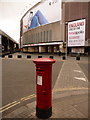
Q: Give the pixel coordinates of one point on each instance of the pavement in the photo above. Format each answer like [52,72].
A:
[70,95]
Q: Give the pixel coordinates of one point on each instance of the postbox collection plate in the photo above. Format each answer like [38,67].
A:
[39,80]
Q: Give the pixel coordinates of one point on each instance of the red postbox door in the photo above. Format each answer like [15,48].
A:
[44,87]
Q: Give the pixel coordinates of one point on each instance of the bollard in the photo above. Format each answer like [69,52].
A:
[63,57]
[28,56]
[3,56]
[39,56]
[51,57]
[44,87]
[78,56]
[19,56]
[9,56]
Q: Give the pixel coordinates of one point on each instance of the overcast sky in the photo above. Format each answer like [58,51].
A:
[11,12]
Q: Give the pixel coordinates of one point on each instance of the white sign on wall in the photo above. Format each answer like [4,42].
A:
[76,33]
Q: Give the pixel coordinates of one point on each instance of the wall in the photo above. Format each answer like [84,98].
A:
[75,11]
[45,33]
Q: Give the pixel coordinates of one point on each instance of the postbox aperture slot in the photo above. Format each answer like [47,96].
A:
[39,70]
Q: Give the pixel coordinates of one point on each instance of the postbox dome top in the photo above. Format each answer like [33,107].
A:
[44,60]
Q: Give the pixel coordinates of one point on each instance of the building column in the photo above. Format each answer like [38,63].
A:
[50,49]
[62,49]
[56,49]
[31,49]
[36,49]
[42,49]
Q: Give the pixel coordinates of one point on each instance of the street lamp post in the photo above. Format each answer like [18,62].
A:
[66,23]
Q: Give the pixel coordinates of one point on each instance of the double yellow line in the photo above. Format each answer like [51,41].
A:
[10,105]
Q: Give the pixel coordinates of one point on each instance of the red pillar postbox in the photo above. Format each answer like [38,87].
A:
[44,87]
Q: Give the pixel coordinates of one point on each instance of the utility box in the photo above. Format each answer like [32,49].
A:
[44,87]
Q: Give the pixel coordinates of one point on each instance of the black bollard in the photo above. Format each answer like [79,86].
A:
[51,57]
[19,56]
[39,56]
[28,56]
[63,57]
[3,56]
[78,57]
[9,56]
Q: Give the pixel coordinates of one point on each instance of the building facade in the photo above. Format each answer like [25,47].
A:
[7,44]
[78,14]
[56,36]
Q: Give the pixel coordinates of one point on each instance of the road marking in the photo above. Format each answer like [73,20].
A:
[83,73]
[27,97]
[9,107]
[66,89]
[83,79]
[77,71]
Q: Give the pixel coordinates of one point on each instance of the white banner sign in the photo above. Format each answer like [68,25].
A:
[76,33]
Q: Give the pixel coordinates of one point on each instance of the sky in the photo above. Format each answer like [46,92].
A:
[11,11]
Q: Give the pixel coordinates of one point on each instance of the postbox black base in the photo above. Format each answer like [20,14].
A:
[43,113]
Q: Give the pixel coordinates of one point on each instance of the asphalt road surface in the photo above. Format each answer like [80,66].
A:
[19,80]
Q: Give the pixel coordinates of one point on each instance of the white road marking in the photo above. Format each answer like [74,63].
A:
[83,79]
[77,71]
[83,73]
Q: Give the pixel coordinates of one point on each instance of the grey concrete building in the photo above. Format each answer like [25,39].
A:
[7,44]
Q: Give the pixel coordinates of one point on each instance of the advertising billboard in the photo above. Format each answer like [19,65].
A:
[76,33]
[45,12]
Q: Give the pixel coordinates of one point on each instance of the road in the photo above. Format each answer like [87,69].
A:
[18,79]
